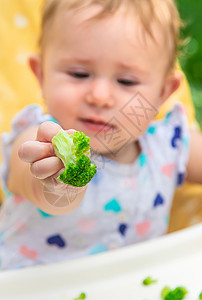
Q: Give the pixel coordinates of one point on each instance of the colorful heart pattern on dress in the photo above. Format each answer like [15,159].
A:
[123,228]
[28,252]
[18,199]
[159,200]
[152,130]
[56,240]
[130,183]
[99,248]
[87,225]
[143,228]
[180,178]
[168,170]
[177,136]
[113,205]
[142,159]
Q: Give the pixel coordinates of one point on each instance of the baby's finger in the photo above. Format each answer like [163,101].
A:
[46,167]
[47,131]
[33,150]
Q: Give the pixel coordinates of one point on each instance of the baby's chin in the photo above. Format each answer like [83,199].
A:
[104,151]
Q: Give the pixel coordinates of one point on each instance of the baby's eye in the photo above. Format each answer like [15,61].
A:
[127,82]
[79,75]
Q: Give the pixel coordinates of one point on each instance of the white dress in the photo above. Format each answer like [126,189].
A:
[123,205]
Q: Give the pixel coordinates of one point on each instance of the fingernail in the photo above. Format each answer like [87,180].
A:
[71,131]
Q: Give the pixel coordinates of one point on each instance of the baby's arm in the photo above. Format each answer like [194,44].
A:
[194,168]
[34,169]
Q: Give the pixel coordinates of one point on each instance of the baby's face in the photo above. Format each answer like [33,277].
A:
[103,78]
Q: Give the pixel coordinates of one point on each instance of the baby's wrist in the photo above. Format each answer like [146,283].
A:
[55,197]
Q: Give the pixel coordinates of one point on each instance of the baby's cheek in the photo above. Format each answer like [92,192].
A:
[137,113]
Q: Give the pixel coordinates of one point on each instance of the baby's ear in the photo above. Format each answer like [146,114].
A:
[171,84]
[36,67]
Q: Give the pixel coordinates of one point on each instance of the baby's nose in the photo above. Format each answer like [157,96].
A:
[100,93]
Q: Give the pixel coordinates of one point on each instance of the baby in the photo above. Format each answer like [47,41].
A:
[105,68]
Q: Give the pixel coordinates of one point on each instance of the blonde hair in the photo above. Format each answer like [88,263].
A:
[163,12]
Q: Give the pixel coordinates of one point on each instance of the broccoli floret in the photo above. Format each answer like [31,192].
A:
[200,296]
[177,294]
[71,149]
[149,280]
[81,296]
[165,292]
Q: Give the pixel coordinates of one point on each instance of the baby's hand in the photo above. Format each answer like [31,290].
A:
[46,167]
[44,164]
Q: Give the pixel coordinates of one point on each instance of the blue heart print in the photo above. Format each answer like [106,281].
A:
[177,136]
[180,179]
[159,200]
[142,159]
[152,130]
[113,205]
[56,240]
[123,228]
[97,249]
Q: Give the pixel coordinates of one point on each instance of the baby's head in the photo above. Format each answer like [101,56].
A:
[101,58]
[151,14]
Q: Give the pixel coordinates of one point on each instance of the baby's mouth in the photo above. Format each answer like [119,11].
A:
[96,125]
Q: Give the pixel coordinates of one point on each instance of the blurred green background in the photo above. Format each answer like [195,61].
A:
[191,59]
